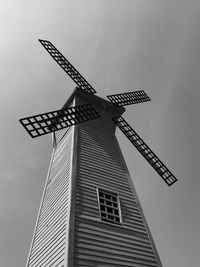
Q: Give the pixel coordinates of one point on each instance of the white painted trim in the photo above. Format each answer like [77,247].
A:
[97,190]
[72,195]
[120,210]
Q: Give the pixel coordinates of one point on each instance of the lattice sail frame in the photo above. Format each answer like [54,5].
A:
[52,121]
[67,67]
[45,123]
[129,98]
[147,153]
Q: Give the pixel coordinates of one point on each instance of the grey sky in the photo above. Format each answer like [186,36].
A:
[118,46]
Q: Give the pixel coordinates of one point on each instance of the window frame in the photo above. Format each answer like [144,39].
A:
[111,192]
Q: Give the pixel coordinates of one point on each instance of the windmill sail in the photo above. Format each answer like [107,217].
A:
[125,99]
[147,153]
[59,119]
[67,67]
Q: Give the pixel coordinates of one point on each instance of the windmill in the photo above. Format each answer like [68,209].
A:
[90,214]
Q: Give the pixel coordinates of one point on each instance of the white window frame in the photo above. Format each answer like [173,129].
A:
[111,192]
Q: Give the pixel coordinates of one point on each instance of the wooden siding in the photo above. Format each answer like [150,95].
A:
[50,242]
[69,231]
[100,165]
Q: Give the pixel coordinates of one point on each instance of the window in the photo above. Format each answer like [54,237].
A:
[109,206]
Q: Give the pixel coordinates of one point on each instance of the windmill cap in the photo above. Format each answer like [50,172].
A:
[84,98]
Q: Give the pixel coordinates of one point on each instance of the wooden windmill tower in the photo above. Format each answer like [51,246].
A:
[90,214]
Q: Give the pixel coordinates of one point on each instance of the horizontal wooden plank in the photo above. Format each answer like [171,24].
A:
[118,246]
[111,253]
[118,261]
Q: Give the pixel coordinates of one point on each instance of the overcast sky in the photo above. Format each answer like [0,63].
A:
[118,46]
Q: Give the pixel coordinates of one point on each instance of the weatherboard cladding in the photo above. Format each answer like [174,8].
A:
[69,231]
[49,246]
[100,165]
